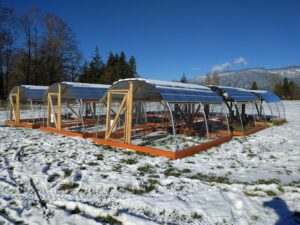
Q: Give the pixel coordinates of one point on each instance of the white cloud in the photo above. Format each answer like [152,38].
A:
[240,61]
[220,68]
[195,68]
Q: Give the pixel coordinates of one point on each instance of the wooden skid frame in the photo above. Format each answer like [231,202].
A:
[250,131]
[25,125]
[68,133]
[260,127]
[172,155]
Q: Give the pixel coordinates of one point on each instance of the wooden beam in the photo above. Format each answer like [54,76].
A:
[59,107]
[129,112]
[107,136]
[108,108]
[118,91]
[17,113]
[48,111]
[52,111]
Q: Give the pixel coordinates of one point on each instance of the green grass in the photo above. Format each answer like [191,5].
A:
[150,186]
[251,194]
[67,172]
[129,161]
[146,169]
[196,216]
[278,122]
[271,181]
[76,210]
[109,220]
[211,178]
[3,212]
[99,156]
[68,186]
[172,172]
[271,193]
[91,163]
[117,167]
[53,177]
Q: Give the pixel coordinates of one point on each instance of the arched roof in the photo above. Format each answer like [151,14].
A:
[267,96]
[175,92]
[30,92]
[73,90]
[235,94]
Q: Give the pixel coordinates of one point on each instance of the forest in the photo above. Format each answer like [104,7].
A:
[41,49]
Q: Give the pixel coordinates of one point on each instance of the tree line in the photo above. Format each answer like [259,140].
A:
[287,89]
[41,49]
[117,67]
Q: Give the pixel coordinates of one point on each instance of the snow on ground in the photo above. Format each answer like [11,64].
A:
[249,180]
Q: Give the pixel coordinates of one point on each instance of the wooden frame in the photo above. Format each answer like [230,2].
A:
[172,155]
[126,105]
[50,109]
[14,106]
[15,113]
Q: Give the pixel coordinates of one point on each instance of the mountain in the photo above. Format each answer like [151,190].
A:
[265,78]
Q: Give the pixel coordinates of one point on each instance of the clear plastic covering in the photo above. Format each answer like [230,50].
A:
[175,92]
[73,90]
[235,94]
[31,104]
[267,96]
[167,115]
[30,92]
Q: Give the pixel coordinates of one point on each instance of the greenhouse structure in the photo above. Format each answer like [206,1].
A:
[170,119]
[26,106]
[271,106]
[242,105]
[73,108]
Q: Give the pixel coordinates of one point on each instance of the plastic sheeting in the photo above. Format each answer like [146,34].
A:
[30,92]
[267,96]
[173,92]
[73,90]
[235,94]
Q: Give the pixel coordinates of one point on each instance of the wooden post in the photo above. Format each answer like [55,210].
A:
[48,111]
[17,113]
[129,112]
[108,108]
[107,135]
[59,107]
[11,108]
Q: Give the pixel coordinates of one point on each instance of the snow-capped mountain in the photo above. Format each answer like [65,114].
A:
[265,78]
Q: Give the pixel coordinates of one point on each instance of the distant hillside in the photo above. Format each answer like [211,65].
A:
[265,78]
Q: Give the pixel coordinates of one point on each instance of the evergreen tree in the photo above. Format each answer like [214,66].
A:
[84,77]
[92,72]
[183,78]
[254,86]
[278,89]
[123,69]
[292,90]
[132,66]
[110,73]
[286,88]
[96,67]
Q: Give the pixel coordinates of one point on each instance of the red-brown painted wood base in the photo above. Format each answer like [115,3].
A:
[68,133]
[250,131]
[25,125]
[172,155]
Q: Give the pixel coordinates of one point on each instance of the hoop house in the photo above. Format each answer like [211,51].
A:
[26,106]
[72,108]
[272,107]
[163,118]
[242,106]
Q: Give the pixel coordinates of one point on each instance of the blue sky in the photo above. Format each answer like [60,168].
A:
[171,37]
